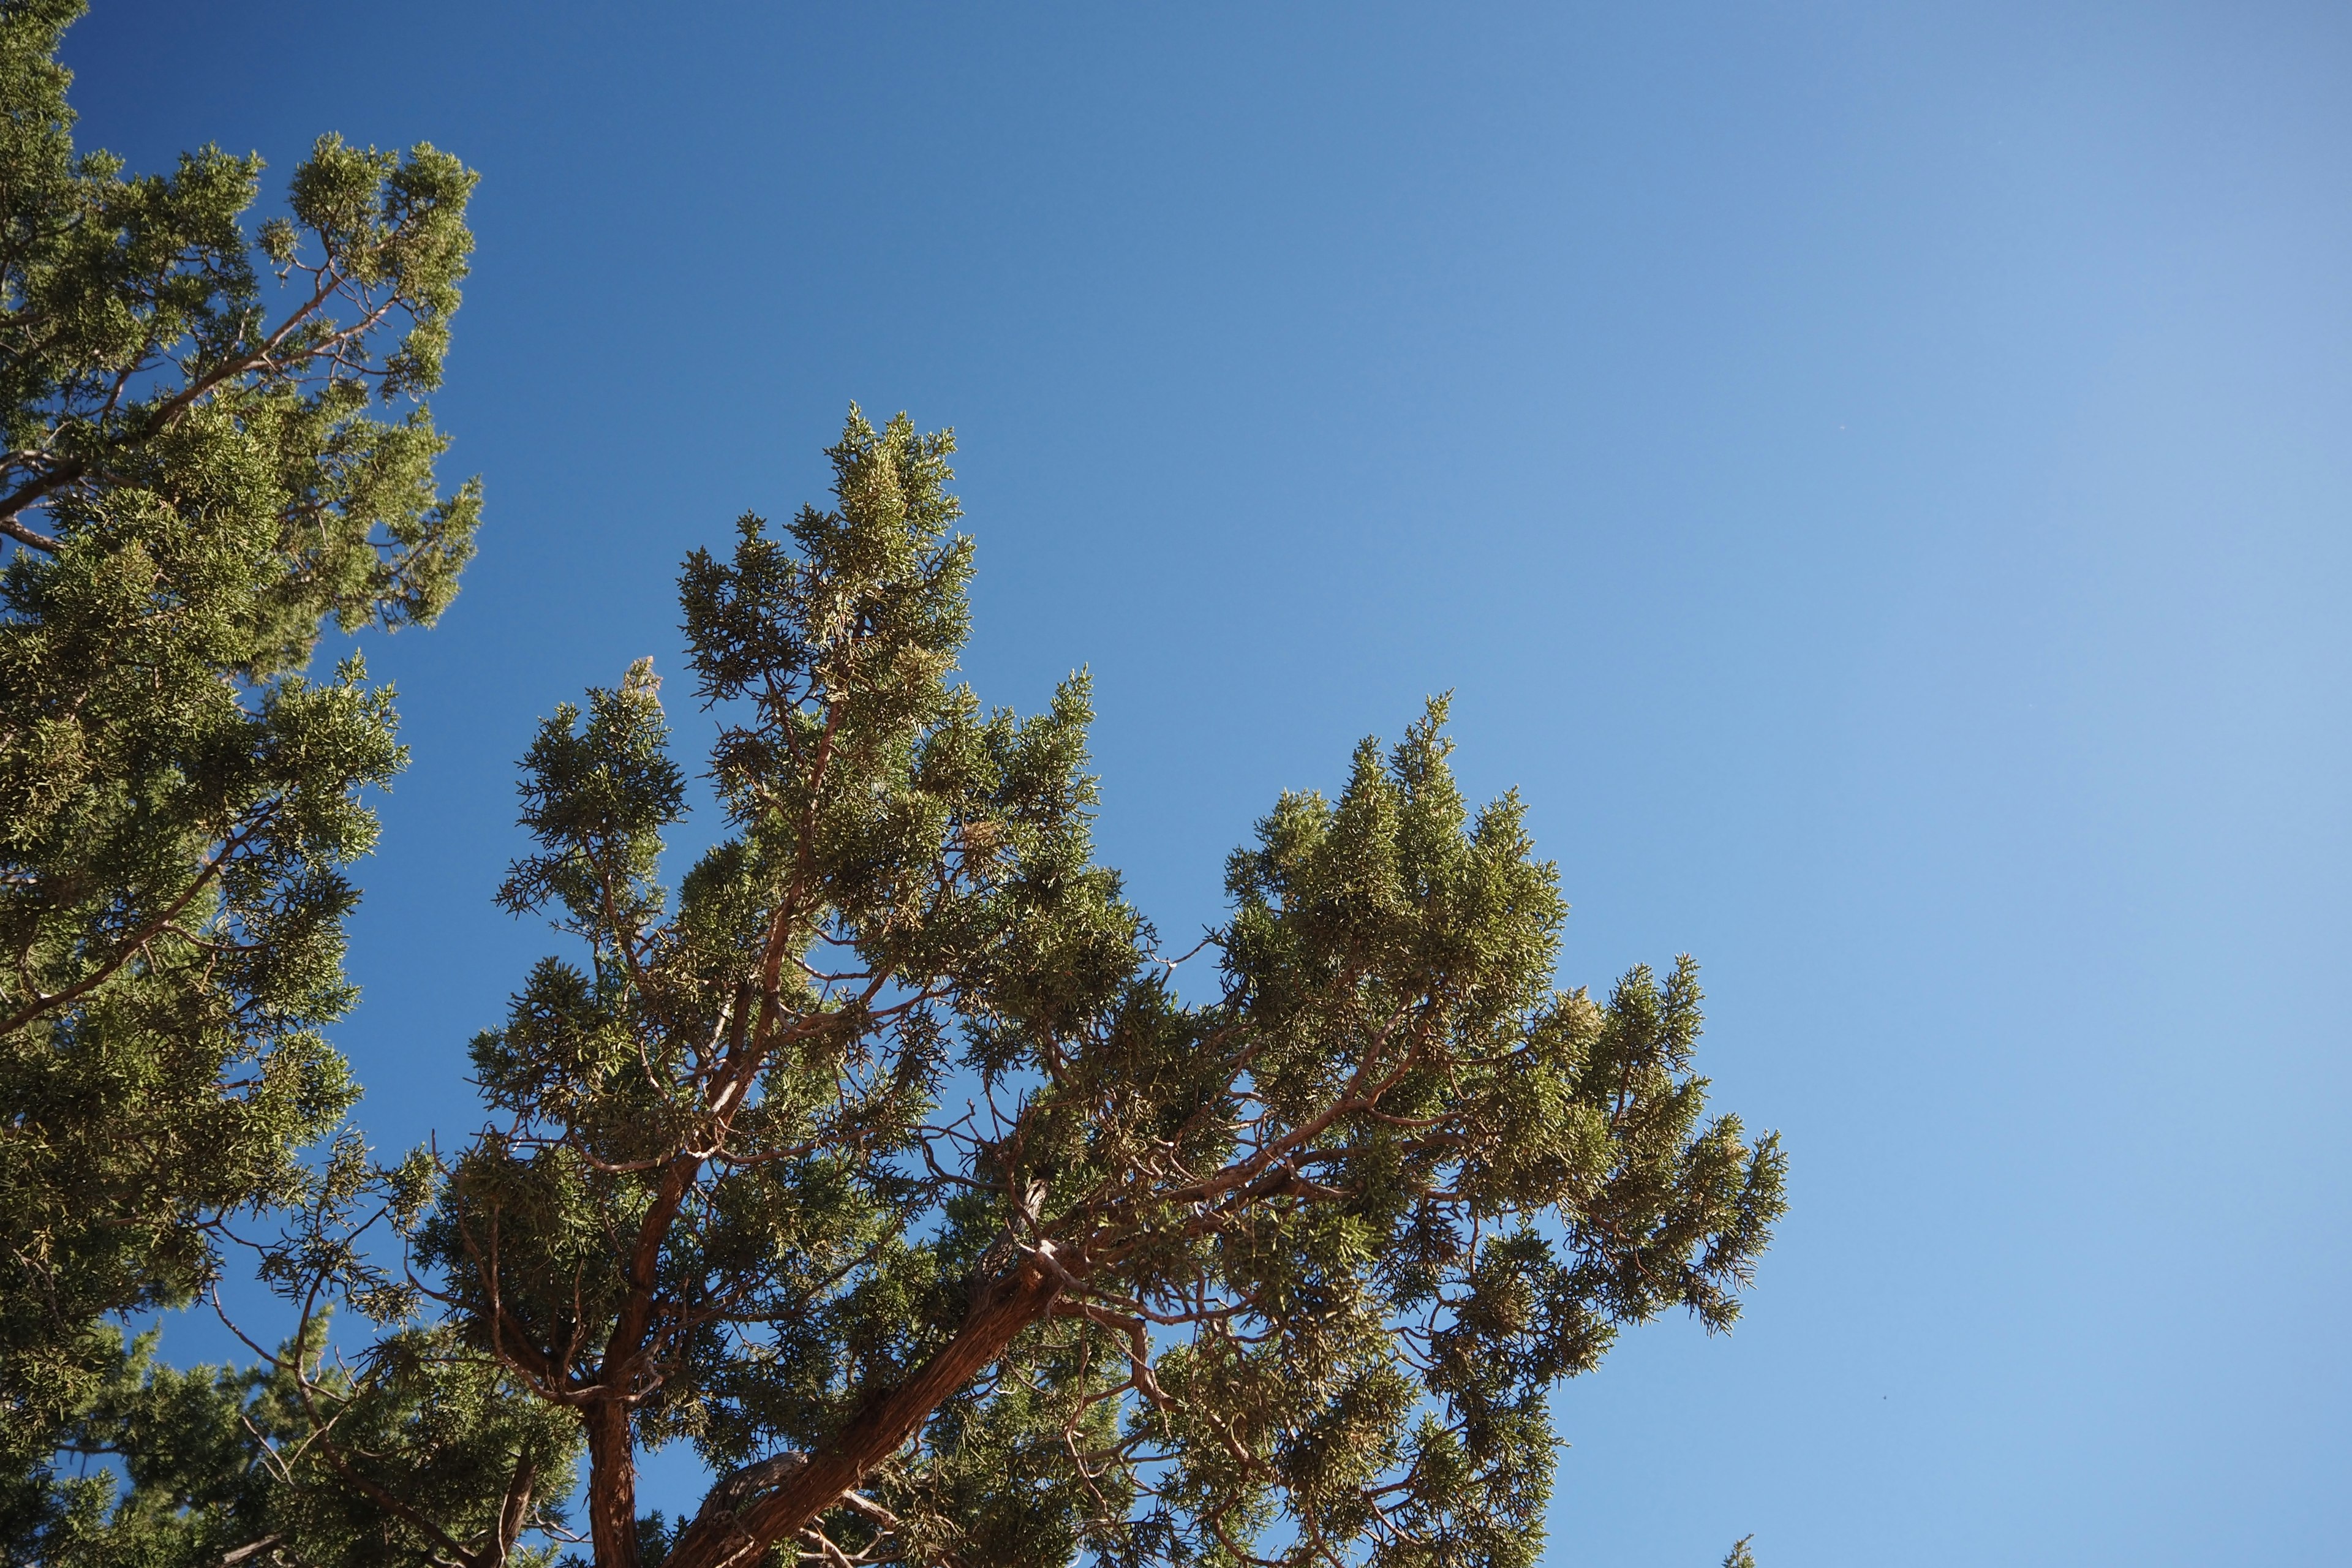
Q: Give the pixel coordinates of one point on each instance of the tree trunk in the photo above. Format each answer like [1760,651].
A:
[612,1486]
[729,1538]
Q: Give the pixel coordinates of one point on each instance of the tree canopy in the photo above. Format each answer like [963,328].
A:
[193,483]
[885,1161]
[888,1158]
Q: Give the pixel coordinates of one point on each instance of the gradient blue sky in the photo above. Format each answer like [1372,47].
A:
[1875,476]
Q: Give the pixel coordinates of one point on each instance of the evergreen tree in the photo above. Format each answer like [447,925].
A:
[193,482]
[885,1162]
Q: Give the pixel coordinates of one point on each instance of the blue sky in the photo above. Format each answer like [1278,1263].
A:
[1875,477]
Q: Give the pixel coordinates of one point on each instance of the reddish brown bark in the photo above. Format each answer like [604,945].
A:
[732,1539]
[612,1485]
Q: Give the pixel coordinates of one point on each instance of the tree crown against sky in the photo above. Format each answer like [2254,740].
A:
[193,483]
[884,1161]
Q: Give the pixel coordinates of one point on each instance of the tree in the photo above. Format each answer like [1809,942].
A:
[886,1163]
[192,484]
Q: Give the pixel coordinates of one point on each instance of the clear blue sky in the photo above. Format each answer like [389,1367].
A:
[1876,476]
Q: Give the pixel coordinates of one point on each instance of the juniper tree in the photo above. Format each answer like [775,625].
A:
[886,1162]
[193,483]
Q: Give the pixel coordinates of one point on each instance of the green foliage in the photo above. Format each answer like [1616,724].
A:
[1285,1275]
[224,1463]
[882,1159]
[193,483]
